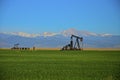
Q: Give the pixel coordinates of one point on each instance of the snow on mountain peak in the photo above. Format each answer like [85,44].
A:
[82,33]
[45,34]
[77,32]
[68,32]
[23,34]
[104,35]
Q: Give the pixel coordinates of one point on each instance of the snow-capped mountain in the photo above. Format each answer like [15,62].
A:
[50,39]
[63,33]
[45,34]
[81,33]
[22,34]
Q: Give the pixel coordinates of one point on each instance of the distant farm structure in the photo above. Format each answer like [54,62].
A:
[77,45]
[16,47]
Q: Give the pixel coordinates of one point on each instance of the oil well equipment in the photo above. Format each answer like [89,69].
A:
[76,43]
[16,47]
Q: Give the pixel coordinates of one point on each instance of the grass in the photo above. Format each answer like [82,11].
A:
[59,65]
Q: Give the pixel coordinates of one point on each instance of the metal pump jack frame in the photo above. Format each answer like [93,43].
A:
[16,45]
[77,45]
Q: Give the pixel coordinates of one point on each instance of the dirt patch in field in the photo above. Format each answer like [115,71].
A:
[102,49]
[109,49]
[83,49]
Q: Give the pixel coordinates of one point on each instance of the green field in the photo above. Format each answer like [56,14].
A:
[59,65]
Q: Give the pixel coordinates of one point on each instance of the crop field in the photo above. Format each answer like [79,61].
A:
[59,65]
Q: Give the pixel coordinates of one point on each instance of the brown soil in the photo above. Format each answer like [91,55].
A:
[59,49]
[102,49]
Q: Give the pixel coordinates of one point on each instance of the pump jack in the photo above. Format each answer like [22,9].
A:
[77,45]
[16,45]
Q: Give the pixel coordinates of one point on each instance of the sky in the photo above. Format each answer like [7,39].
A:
[37,16]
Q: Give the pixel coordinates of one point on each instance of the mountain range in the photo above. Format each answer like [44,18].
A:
[58,40]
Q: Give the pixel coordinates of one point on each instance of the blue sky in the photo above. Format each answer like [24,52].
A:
[37,16]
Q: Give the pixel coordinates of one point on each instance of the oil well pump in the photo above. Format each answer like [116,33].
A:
[76,43]
[16,46]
